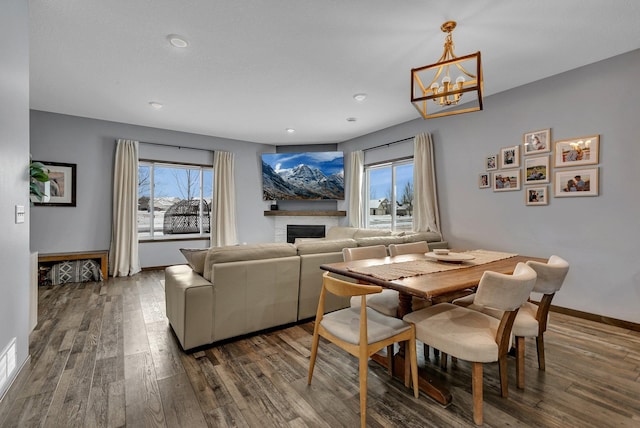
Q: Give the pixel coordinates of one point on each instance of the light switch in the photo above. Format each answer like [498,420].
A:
[19,214]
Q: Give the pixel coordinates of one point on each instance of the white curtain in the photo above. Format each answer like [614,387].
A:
[225,199]
[123,255]
[356,168]
[426,215]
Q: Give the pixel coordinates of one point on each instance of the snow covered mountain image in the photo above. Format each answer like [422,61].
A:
[310,175]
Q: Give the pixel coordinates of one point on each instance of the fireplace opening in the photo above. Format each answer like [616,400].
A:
[304,231]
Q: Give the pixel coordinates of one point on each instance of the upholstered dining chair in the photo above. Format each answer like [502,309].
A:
[408,248]
[475,336]
[362,332]
[531,320]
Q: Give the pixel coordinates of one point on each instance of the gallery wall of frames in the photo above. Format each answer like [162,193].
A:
[528,166]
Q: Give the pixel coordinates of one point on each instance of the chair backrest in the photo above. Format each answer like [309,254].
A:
[408,248]
[505,292]
[551,275]
[343,288]
[361,253]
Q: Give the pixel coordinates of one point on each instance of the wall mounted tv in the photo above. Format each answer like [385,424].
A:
[302,176]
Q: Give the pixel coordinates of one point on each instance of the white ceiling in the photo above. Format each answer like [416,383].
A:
[255,67]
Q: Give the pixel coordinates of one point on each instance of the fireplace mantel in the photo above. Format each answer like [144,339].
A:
[306,213]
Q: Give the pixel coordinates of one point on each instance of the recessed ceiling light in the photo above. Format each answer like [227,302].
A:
[155,105]
[177,41]
[290,130]
[352,119]
[360,97]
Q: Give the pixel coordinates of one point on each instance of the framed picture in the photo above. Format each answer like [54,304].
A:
[492,162]
[537,142]
[536,195]
[60,190]
[510,157]
[484,181]
[577,151]
[536,170]
[506,180]
[576,182]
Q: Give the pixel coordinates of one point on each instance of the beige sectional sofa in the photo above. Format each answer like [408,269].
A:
[224,292]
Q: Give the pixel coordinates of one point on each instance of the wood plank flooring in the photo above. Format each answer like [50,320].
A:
[103,355]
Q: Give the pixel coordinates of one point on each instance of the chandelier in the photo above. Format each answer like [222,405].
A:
[435,94]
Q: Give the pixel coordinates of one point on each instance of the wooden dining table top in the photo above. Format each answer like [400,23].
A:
[429,285]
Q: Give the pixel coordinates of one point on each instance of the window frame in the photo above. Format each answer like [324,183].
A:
[202,168]
[393,164]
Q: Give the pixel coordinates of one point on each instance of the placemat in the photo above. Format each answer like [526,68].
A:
[391,271]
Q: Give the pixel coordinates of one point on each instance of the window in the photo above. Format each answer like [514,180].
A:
[390,189]
[174,200]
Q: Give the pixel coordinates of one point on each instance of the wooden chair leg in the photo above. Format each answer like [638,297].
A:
[314,353]
[476,387]
[414,367]
[443,360]
[425,351]
[520,344]
[504,376]
[390,359]
[363,390]
[540,345]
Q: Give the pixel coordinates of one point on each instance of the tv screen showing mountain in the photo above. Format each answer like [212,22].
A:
[309,175]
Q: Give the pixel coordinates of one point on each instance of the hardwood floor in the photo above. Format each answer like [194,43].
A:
[103,355]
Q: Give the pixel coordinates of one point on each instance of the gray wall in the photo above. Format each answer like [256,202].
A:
[90,144]
[600,235]
[14,161]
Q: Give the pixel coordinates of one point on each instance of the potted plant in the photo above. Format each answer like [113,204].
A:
[38,173]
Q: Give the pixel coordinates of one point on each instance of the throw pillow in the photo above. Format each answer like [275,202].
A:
[195,257]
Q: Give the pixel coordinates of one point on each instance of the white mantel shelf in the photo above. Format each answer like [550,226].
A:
[306,213]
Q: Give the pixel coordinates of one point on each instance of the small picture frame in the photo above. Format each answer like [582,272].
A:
[484,180]
[510,157]
[537,142]
[536,195]
[505,181]
[491,163]
[576,182]
[577,151]
[60,190]
[536,170]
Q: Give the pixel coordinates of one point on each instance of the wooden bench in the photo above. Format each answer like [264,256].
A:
[102,256]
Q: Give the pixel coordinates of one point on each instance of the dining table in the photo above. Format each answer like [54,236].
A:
[430,277]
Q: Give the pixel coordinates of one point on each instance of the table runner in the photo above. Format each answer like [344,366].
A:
[392,271]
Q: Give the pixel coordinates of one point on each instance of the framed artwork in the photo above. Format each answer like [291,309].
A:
[577,151]
[536,170]
[60,190]
[506,180]
[491,163]
[484,181]
[537,142]
[536,195]
[576,182]
[510,157]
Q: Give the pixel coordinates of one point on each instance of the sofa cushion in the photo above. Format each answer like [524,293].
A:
[379,240]
[422,236]
[235,253]
[366,233]
[195,258]
[339,232]
[326,246]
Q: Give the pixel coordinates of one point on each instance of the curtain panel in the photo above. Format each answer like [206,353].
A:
[356,172]
[224,199]
[123,254]
[426,214]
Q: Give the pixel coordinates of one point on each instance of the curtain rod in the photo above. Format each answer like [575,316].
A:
[388,144]
[178,147]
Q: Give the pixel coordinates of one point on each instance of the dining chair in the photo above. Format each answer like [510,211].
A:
[408,248]
[362,332]
[475,336]
[532,318]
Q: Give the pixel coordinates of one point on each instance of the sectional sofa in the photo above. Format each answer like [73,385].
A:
[224,292]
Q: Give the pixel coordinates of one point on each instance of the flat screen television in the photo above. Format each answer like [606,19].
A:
[302,176]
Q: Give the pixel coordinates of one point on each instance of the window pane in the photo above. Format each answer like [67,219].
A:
[144,193]
[404,197]
[380,197]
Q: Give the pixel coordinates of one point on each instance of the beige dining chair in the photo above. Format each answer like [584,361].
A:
[475,336]
[362,333]
[419,247]
[532,318]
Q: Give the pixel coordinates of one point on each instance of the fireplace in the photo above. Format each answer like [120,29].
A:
[304,231]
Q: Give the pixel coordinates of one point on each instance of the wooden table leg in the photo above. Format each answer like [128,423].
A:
[429,385]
